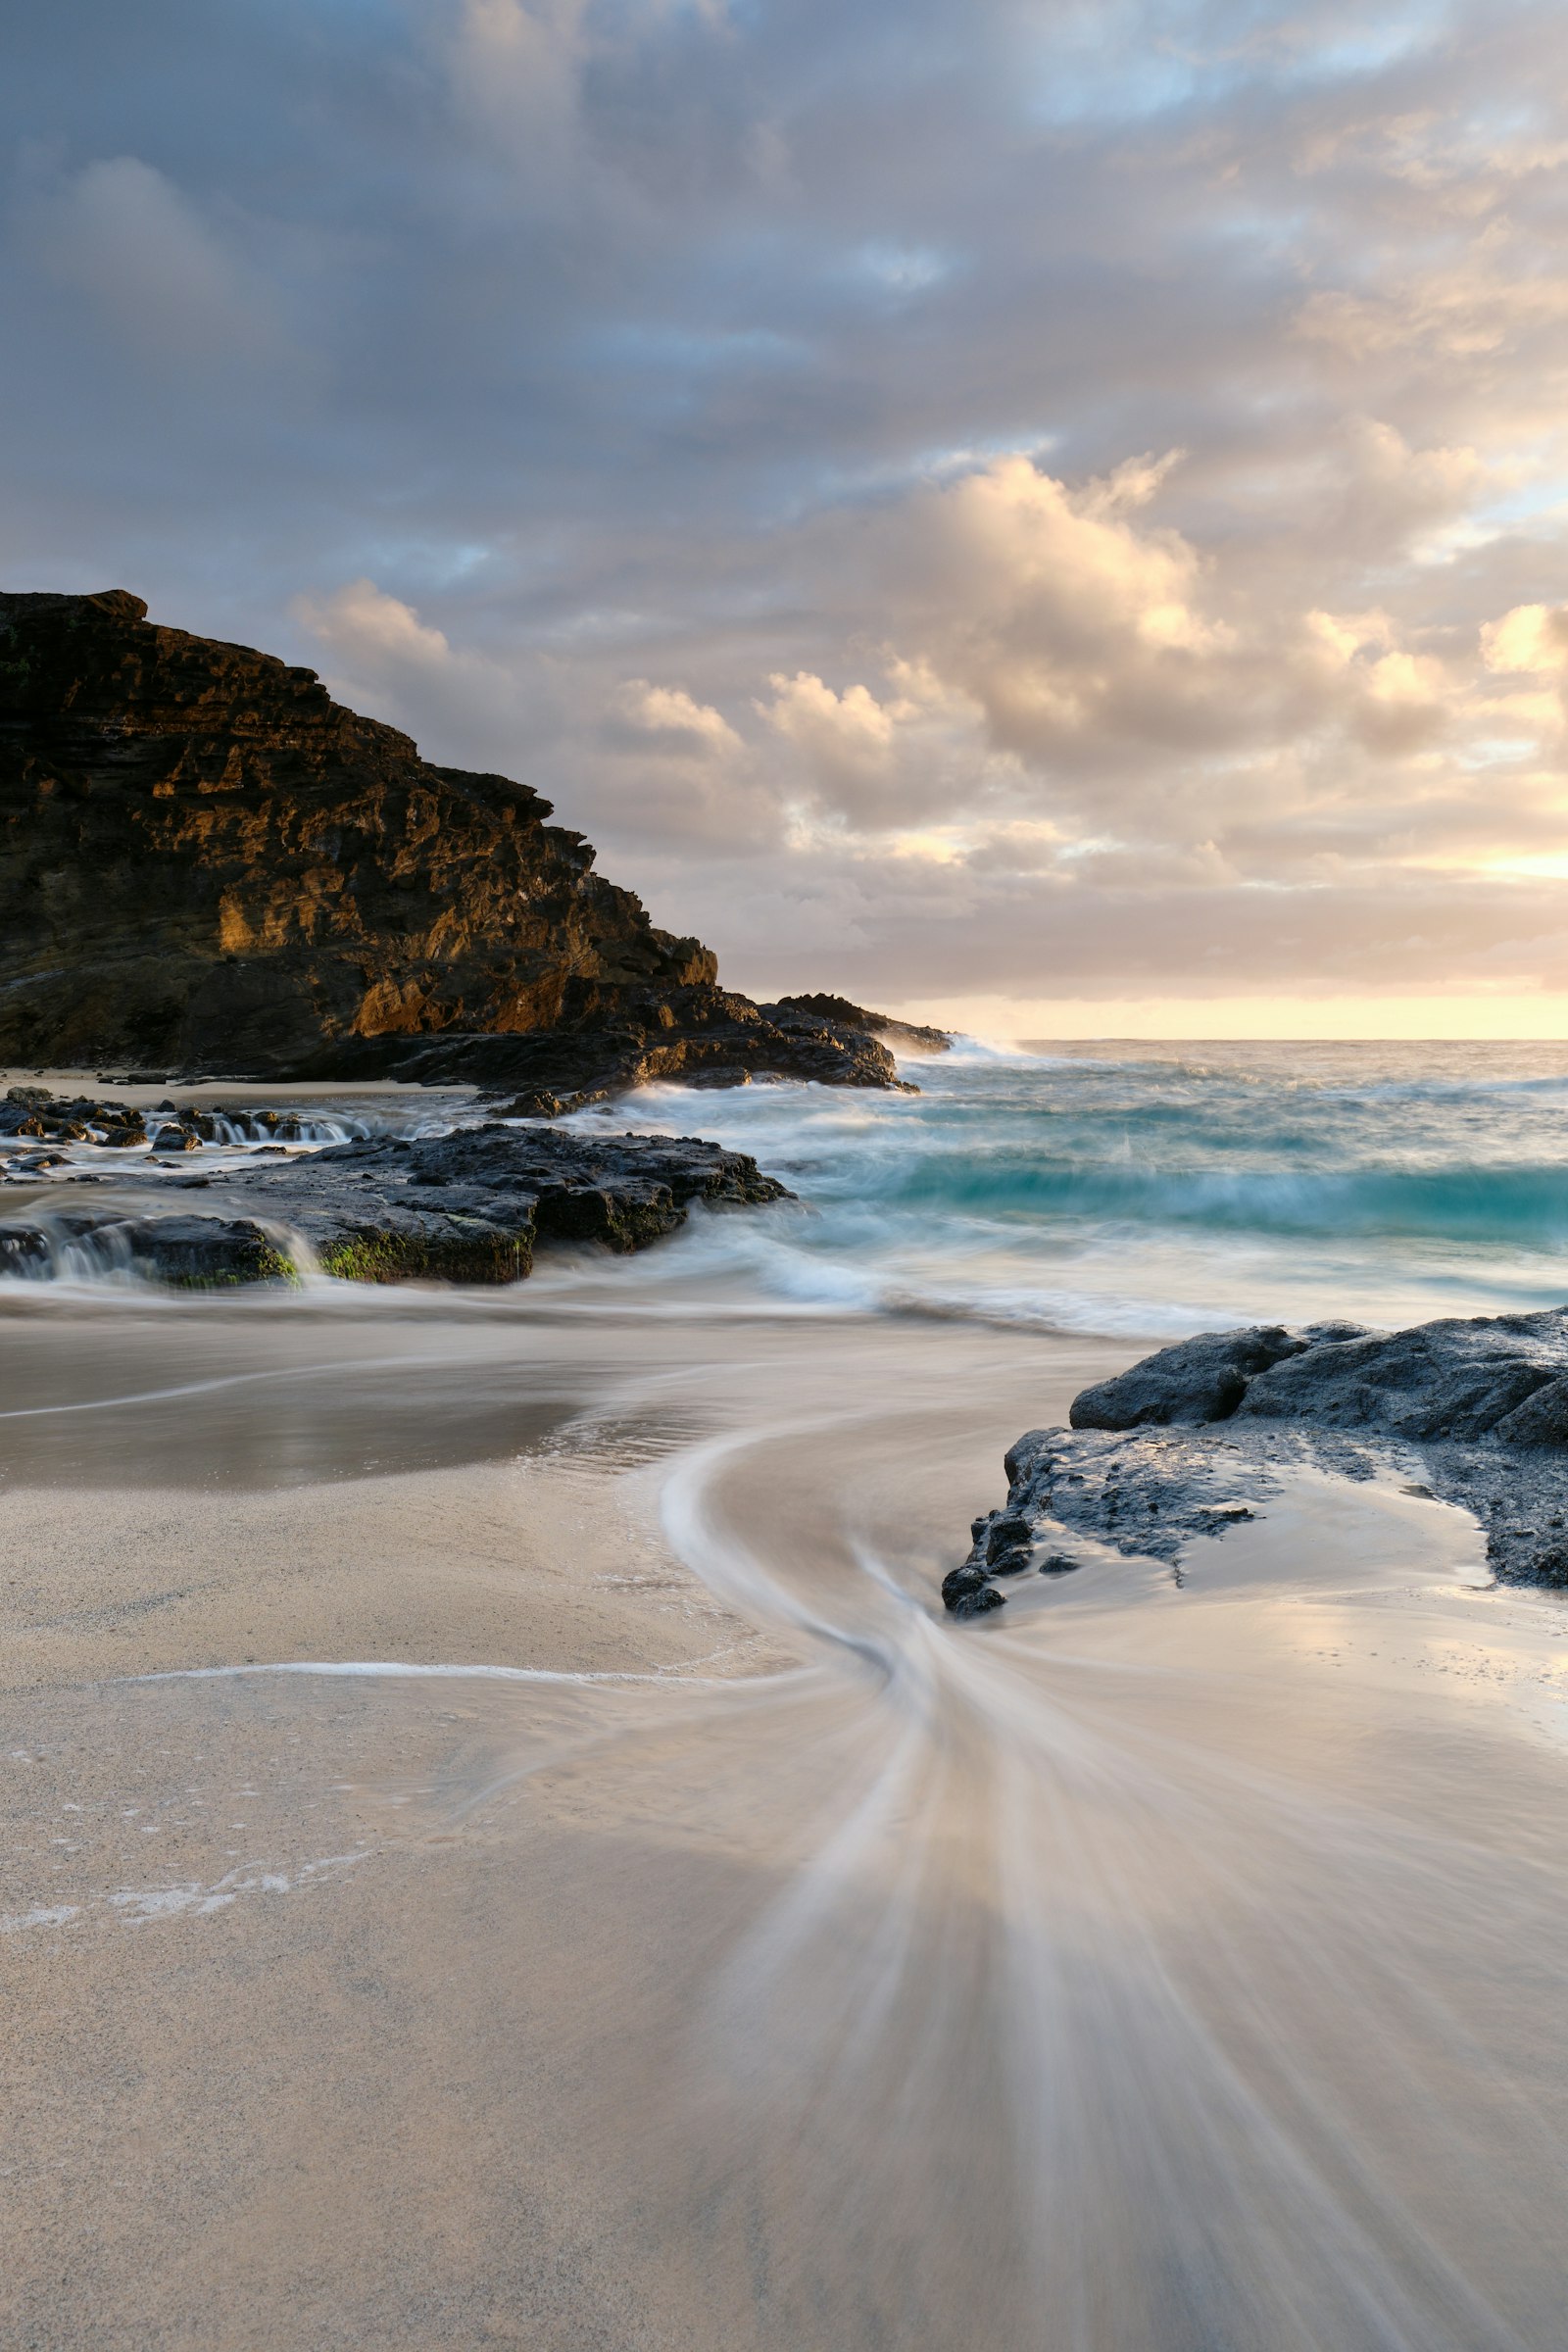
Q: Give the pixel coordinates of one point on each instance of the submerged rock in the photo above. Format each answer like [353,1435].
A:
[464,1208]
[1184,1443]
[189,1252]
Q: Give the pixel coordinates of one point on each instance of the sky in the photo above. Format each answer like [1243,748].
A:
[1052,519]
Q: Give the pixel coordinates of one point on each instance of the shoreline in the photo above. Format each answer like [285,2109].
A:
[568,1886]
[223,1198]
[436,2009]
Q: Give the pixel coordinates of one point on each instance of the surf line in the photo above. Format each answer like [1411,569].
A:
[397,1670]
[226,1379]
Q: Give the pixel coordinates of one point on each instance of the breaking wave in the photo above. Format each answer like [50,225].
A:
[1140,1192]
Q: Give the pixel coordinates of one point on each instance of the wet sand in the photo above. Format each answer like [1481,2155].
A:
[730,1952]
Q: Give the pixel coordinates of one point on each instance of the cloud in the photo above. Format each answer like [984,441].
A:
[1531,637]
[1068,621]
[847,737]
[935,491]
[370,630]
[665,720]
[515,71]
[164,282]
[1468,306]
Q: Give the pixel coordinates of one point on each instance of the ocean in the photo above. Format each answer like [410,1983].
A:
[1147,1190]
[1128,1191]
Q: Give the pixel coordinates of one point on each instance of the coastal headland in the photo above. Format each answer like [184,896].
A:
[209,867]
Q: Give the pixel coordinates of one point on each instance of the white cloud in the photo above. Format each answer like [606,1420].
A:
[1057,610]
[847,737]
[370,630]
[1531,637]
[119,233]
[668,720]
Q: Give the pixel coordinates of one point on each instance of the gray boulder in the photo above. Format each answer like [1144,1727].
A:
[1186,1441]
[1202,1378]
[1453,1378]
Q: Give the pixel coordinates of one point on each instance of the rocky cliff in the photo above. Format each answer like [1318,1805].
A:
[206,863]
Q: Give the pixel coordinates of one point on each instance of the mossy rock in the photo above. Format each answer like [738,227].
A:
[210,1253]
[481,1254]
[266,1265]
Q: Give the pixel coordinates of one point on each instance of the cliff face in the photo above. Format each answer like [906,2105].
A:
[206,863]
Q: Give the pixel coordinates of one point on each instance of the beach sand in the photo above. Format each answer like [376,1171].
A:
[728,1951]
[299,2054]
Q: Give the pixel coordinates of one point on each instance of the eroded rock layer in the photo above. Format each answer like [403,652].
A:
[910,1036]
[207,864]
[698,1036]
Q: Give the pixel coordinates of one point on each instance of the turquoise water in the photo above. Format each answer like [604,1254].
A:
[1150,1188]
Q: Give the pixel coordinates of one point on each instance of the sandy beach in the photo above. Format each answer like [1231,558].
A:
[303,2005]
[672,1932]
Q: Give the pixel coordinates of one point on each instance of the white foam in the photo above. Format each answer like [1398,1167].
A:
[137,1905]
[43,1915]
[400,1670]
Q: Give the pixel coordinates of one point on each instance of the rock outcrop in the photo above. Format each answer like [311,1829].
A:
[470,1207]
[698,1036]
[910,1036]
[1498,1376]
[1190,1438]
[207,866]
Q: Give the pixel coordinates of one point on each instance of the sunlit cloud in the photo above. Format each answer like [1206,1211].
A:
[1037,506]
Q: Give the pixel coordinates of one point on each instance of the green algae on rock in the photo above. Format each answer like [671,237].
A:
[468,1207]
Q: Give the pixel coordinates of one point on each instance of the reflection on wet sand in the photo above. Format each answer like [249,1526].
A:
[758,1959]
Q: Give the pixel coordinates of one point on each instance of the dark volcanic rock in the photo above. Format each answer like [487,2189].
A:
[966,1593]
[1453,1379]
[1184,1443]
[1541,1420]
[907,1034]
[207,864]
[1200,1379]
[190,1252]
[464,1208]
[699,1036]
